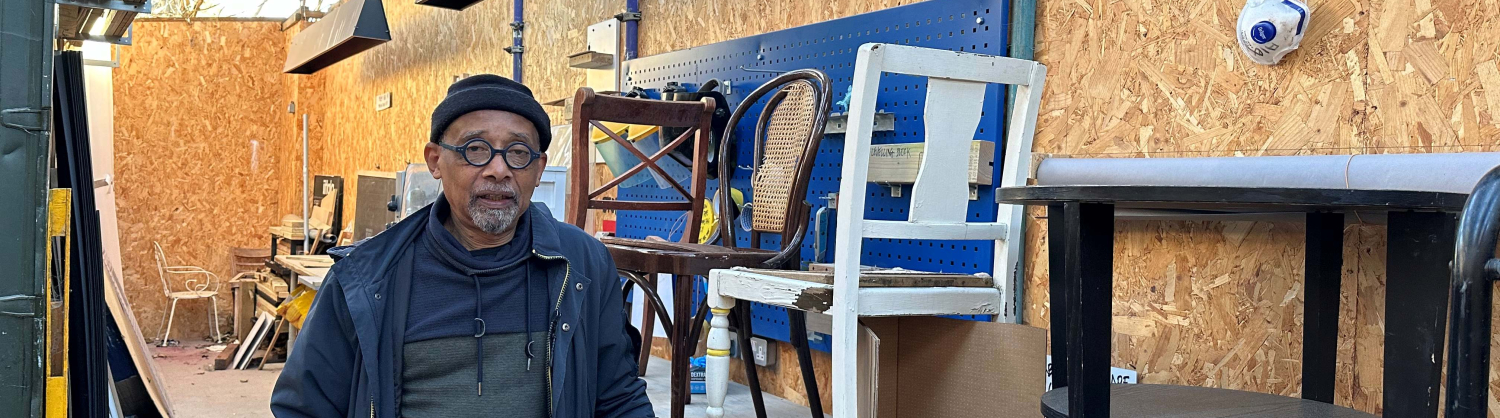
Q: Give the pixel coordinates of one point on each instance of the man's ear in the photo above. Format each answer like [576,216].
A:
[431,153]
[543,161]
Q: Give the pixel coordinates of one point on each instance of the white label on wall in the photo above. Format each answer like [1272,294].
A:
[1116,375]
[383,101]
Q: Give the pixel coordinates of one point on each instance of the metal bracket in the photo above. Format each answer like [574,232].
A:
[895,189]
[23,306]
[742,68]
[118,5]
[973,192]
[838,123]
[517,25]
[41,117]
[628,17]
[728,87]
[518,49]
[832,199]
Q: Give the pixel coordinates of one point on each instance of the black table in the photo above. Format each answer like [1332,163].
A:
[1080,224]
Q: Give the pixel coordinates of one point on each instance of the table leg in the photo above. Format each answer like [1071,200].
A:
[1057,284]
[1090,262]
[1320,310]
[291,330]
[1419,246]
[273,247]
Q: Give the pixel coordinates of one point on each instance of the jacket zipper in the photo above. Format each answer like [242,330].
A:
[372,406]
[567,274]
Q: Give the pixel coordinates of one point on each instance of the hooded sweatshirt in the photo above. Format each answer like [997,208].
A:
[476,331]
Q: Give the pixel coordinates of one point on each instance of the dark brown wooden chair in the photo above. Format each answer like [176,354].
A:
[788,132]
[637,260]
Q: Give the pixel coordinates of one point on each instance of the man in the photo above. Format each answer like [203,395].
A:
[481,304]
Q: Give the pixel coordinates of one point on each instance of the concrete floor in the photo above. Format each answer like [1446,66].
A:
[196,390]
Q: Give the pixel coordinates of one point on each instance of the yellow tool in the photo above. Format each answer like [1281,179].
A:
[59,209]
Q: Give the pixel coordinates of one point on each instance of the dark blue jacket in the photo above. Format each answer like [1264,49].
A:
[347,362]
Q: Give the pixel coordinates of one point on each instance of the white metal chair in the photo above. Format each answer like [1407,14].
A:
[199,284]
[955,98]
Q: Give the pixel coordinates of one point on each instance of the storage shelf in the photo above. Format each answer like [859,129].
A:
[590,60]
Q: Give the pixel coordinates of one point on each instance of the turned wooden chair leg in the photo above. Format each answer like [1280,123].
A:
[716,369]
[741,316]
[798,322]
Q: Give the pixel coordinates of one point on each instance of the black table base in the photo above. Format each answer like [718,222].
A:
[1081,243]
[1197,402]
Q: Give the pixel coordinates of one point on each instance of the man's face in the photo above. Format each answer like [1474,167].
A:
[488,198]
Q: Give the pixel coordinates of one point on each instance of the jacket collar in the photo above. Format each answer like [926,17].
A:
[544,235]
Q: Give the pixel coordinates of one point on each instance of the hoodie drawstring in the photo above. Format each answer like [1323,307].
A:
[480,329]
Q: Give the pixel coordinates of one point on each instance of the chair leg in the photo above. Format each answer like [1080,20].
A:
[161,327]
[716,369]
[213,301]
[798,322]
[682,349]
[741,316]
[170,317]
[648,326]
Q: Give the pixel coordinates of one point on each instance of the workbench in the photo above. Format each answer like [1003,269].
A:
[1080,227]
[294,236]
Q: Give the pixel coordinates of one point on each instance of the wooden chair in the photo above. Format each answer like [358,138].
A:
[788,132]
[955,97]
[637,259]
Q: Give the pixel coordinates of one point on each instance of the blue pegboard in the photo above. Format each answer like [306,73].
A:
[980,26]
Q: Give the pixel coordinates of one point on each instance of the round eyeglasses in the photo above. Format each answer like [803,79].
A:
[478,152]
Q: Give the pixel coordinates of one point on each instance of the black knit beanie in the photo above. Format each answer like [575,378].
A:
[490,92]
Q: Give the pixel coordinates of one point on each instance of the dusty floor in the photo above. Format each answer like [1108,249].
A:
[196,390]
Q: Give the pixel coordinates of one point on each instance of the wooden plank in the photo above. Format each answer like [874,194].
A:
[591,60]
[119,308]
[887,278]
[244,306]
[247,346]
[898,163]
[221,361]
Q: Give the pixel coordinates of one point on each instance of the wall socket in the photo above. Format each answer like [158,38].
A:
[762,352]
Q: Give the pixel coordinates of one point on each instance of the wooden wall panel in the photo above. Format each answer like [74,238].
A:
[1202,303]
[196,108]
[1219,304]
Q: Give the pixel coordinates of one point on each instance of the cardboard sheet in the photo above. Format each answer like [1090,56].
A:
[939,367]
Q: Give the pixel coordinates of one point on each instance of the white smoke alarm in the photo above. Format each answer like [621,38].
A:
[1270,29]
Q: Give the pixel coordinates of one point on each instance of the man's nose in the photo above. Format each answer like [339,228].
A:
[497,169]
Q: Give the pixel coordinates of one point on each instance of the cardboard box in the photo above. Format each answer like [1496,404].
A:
[939,367]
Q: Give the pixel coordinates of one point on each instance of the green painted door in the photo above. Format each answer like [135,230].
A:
[25,91]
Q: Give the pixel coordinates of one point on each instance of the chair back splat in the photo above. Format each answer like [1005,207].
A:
[787,135]
[591,109]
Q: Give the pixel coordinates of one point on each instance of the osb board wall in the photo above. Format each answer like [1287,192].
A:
[430,47]
[194,155]
[1219,303]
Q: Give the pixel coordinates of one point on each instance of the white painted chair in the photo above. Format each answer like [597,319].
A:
[955,97]
[199,284]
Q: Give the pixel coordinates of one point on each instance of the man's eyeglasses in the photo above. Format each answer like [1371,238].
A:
[478,152]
